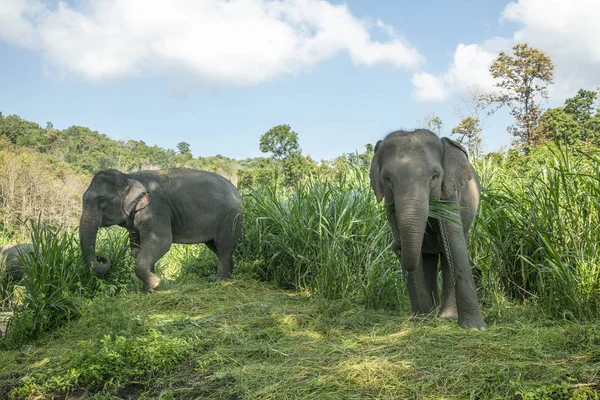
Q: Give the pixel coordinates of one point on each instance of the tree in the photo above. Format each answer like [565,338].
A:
[469,131]
[581,106]
[295,167]
[522,83]
[592,129]
[572,123]
[281,141]
[432,122]
[472,120]
[184,148]
[556,123]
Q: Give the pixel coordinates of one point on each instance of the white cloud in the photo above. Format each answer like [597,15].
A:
[469,67]
[565,29]
[429,87]
[235,42]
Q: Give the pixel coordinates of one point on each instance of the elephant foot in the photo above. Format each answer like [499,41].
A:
[151,283]
[222,278]
[449,313]
[472,323]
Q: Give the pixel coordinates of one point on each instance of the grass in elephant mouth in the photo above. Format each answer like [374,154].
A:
[251,340]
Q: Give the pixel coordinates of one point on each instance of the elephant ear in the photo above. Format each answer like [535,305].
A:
[375,174]
[136,197]
[457,169]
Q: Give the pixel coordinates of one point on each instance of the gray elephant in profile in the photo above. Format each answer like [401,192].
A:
[158,208]
[408,169]
[9,260]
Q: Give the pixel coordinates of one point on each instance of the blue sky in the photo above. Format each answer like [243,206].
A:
[203,87]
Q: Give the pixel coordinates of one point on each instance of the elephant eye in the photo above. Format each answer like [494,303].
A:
[102,200]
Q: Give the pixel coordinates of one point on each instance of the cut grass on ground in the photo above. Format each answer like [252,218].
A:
[249,340]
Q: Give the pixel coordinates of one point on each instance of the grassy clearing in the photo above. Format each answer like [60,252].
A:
[250,340]
[341,330]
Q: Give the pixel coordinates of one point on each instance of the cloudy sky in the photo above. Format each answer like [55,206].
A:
[217,74]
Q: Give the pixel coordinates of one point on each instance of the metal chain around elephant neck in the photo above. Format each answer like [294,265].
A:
[446,245]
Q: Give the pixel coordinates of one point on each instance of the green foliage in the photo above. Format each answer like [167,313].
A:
[184,148]
[112,363]
[469,132]
[323,236]
[57,281]
[250,340]
[581,106]
[266,173]
[281,141]
[522,82]
[557,124]
[592,129]
[536,232]
[575,123]
[296,167]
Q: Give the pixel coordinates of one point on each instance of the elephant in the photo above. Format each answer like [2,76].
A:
[9,258]
[158,208]
[408,169]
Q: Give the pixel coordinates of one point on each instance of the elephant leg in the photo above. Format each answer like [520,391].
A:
[448,309]
[153,247]
[421,301]
[430,272]
[224,255]
[459,268]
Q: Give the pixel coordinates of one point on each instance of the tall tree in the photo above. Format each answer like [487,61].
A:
[469,131]
[281,141]
[472,120]
[184,148]
[557,124]
[572,123]
[522,82]
[581,106]
[432,122]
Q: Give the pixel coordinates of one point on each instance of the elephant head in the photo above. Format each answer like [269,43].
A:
[408,169]
[110,199]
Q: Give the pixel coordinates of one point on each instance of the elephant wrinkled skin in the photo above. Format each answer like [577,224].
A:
[158,208]
[408,169]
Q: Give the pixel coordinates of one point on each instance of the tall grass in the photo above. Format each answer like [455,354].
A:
[325,236]
[538,229]
[535,238]
[56,280]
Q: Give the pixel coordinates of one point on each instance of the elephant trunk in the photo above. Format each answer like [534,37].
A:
[411,217]
[88,229]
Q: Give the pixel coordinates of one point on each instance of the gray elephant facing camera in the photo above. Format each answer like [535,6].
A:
[408,169]
[158,208]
